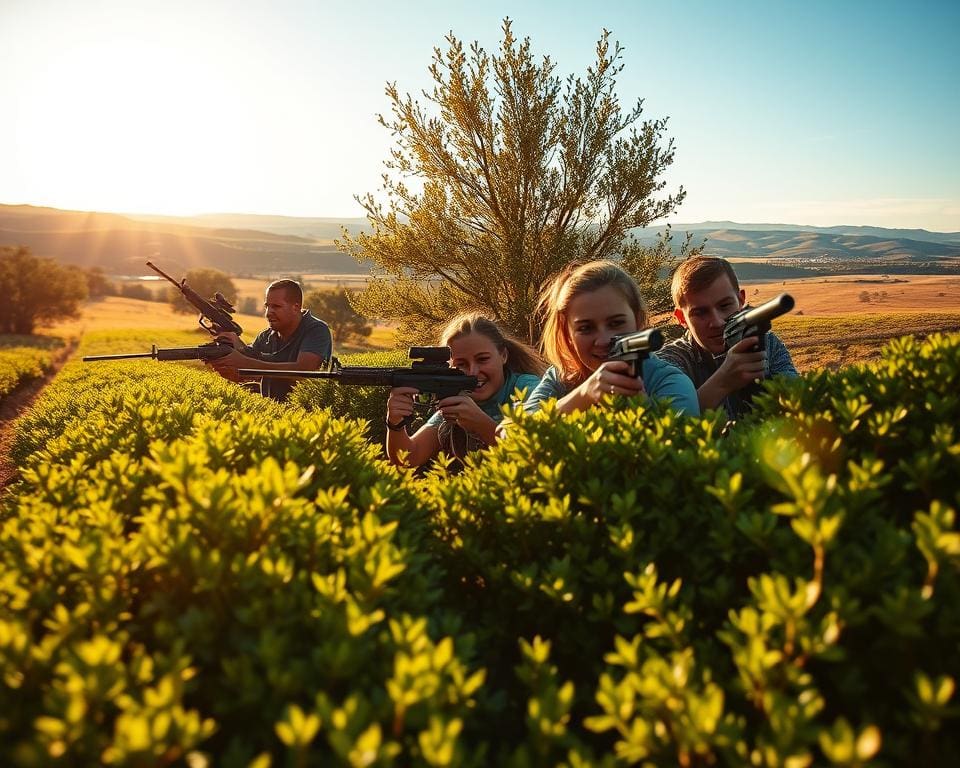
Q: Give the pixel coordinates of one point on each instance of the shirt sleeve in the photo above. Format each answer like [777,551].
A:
[669,382]
[526,382]
[675,356]
[779,362]
[318,341]
[549,387]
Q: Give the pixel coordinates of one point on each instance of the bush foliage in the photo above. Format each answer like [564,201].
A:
[189,573]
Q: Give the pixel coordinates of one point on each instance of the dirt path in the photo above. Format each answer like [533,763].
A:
[16,403]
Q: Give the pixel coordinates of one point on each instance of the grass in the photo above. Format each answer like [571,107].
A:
[833,342]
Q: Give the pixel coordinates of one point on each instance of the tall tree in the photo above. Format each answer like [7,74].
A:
[502,177]
[37,291]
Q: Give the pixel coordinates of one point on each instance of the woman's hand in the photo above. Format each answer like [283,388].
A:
[400,404]
[463,410]
[611,378]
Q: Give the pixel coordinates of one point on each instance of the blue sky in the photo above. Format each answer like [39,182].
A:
[806,113]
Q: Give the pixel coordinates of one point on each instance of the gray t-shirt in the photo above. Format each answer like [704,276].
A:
[700,365]
[312,335]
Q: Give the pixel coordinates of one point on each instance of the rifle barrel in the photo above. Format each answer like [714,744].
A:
[91,358]
[289,374]
[159,271]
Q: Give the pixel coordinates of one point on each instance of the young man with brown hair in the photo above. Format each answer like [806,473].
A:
[705,293]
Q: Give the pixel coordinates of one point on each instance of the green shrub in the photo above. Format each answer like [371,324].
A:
[19,364]
[189,572]
[368,404]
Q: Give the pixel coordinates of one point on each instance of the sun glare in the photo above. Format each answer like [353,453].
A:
[131,127]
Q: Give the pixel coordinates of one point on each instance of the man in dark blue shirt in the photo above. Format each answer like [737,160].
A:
[295,340]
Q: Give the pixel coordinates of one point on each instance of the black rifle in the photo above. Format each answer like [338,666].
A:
[429,373]
[635,348]
[216,312]
[755,321]
[212,351]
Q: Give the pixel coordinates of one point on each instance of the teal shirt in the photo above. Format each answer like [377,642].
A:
[660,380]
[491,406]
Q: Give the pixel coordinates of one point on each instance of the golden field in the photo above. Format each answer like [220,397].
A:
[830,327]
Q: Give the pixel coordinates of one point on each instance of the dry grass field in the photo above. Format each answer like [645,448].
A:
[841,295]
[115,312]
[832,325]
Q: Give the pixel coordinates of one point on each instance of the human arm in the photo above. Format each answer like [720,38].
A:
[664,380]
[611,378]
[741,366]
[464,410]
[422,445]
[779,362]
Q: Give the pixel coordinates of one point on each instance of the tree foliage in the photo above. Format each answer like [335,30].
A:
[206,282]
[505,174]
[37,291]
[334,308]
[652,267]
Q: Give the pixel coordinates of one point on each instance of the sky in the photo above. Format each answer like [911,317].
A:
[818,113]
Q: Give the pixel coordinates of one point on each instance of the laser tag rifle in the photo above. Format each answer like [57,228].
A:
[212,351]
[429,373]
[216,311]
[755,321]
[635,348]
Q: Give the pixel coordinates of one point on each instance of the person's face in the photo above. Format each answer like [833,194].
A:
[595,317]
[704,313]
[476,355]
[282,314]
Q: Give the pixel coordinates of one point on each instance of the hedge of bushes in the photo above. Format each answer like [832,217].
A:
[19,364]
[189,573]
[367,403]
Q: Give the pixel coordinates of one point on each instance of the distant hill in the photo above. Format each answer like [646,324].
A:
[121,244]
[271,245]
[823,249]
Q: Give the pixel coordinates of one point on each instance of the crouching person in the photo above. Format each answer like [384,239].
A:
[705,293]
[583,309]
[465,422]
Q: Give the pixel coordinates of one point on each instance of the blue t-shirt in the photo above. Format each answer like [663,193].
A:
[660,380]
[491,406]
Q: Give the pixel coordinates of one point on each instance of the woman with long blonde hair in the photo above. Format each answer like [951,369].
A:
[583,308]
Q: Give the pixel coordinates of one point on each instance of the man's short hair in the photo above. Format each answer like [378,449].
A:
[697,273]
[292,289]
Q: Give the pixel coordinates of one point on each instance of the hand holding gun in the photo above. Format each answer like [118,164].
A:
[430,374]
[634,348]
[216,312]
[755,321]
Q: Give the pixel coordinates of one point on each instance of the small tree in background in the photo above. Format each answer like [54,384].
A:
[206,282]
[334,308]
[652,267]
[521,173]
[37,291]
[98,285]
[250,306]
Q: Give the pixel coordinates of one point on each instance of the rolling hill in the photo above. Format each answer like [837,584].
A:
[269,245]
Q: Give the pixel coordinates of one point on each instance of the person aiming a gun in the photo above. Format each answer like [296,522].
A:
[706,295]
[295,340]
[584,309]
[467,421]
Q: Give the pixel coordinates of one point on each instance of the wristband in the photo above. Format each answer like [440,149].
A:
[394,427]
